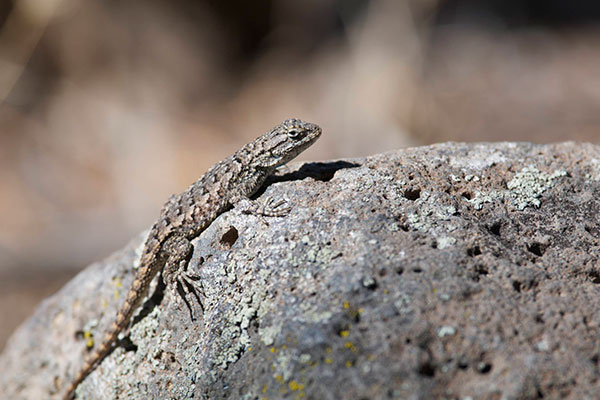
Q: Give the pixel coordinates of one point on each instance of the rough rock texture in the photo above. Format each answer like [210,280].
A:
[453,271]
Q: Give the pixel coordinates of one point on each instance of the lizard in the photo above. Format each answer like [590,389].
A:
[185,216]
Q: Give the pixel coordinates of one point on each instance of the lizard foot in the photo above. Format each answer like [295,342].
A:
[268,207]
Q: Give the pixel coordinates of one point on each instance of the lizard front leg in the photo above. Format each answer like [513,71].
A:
[178,250]
[268,207]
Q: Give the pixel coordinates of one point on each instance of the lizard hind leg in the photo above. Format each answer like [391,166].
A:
[175,275]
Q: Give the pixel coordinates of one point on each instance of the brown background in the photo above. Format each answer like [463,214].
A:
[108,107]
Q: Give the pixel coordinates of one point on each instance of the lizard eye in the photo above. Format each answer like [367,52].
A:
[294,133]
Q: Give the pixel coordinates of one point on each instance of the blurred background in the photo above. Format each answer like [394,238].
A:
[108,107]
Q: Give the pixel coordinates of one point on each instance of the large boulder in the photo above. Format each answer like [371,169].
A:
[450,271]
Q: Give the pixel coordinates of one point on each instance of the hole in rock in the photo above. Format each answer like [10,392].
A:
[230,237]
[412,193]
[536,248]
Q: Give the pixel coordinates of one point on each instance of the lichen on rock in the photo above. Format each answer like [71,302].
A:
[447,271]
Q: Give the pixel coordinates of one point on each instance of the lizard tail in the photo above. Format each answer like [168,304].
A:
[134,297]
[91,363]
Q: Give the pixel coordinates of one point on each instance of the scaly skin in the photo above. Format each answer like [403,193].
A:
[184,216]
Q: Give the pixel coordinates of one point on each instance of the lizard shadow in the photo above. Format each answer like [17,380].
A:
[155,299]
[319,171]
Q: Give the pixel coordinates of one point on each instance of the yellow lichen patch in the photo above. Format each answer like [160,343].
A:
[329,350]
[349,364]
[118,285]
[264,389]
[328,361]
[87,335]
[294,386]
[279,378]
[352,311]
[344,333]
[272,349]
[350,345]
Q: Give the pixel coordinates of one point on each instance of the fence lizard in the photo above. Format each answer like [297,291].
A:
[183,217]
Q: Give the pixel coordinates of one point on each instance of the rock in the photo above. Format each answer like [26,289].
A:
[450,271]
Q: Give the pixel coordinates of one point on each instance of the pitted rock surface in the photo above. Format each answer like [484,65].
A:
[450,271]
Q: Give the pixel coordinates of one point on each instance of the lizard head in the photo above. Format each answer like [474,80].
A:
[285,141]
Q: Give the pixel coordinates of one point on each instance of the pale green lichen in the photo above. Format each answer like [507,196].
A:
[446,330]
[305,358]
[403,304]
[147,356]
[524,190]
[316,316]
[268,334]
[434,219]
[231,277]
[454,178]
[314,252]
[146,327]
[480,198]
[230,353]
[235,337]
[445,241]
[528,185]
[283,365]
